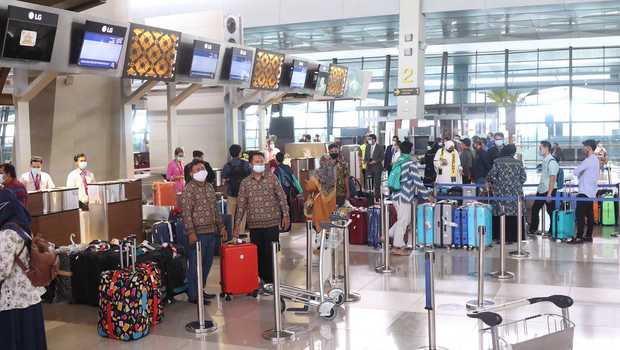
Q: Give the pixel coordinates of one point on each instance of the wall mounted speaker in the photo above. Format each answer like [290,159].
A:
[233,29]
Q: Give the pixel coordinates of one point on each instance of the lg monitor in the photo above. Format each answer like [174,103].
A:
[205,58]
[29,34]
[102,45]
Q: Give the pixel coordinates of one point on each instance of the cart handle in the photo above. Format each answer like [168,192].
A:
[561,301]
[491,319]
[337,217]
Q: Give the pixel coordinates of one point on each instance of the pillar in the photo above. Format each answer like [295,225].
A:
[21,141]
[411,59]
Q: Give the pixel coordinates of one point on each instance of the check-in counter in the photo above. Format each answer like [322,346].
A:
[55,214]
[115,210]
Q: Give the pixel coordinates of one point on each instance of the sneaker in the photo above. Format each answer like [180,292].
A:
[575,241]
[209,296]
[587,239]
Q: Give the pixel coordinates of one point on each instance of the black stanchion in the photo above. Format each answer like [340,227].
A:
[429,279]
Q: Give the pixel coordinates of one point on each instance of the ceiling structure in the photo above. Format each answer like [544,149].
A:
[577,20]
[71,5]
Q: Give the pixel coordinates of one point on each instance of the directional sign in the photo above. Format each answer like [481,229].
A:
[406,92]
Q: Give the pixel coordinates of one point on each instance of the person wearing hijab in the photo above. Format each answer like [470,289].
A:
[321,187]
[448,164]
[506,178]
[21,315]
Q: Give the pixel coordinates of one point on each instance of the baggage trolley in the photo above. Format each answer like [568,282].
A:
[326,303]
[541,331]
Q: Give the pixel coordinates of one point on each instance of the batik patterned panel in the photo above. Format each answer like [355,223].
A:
[267,70]
[151,53]
[337,81]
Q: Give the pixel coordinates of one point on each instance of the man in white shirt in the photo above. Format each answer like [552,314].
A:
[80,178]
[35,179]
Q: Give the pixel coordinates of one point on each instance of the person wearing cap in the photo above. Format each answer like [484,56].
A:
[448,164]
[36,179]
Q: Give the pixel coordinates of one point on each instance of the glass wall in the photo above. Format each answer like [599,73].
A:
[7,133]
[569,95]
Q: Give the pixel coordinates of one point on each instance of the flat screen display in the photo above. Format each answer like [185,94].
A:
[29,34]
[298,78]
[151,53]
[267,70]
[204,59]
[321,82]
[240,65]
[102,45]
[336,83]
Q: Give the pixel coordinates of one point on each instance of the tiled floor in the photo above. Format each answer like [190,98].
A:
[391,313]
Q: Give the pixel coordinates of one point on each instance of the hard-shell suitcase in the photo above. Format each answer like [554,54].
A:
[469,191]
[596,212]
[164,194]
[609,211]
[239,269]
[426,224]
[443,223]
[479,214]
[297,203]
[563,224]
[374,227]
[358,229]
[459,229]
[86,269]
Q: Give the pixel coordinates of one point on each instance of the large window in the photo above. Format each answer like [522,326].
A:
[7,133]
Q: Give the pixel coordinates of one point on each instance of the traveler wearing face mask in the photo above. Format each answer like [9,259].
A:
[448,164]
[546,187]
[262,201]
[495,151]
[373,160]
[35,179]
[9,181]
[388,159]
[588,173]
[80,177]
[175,171]
[203,223]
[341,172]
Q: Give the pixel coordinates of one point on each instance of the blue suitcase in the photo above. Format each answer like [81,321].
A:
[479,214]
[425,218]
[563,224]
[459,230]
[374,227]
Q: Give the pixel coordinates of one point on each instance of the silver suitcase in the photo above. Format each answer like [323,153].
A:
[443,223]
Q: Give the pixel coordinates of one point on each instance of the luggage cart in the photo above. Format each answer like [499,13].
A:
[326,303]
[541,331]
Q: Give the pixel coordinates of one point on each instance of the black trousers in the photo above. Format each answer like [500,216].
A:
[511,228]
[585,215]
[23,329]
[263,237]
[536,210]
[374,172]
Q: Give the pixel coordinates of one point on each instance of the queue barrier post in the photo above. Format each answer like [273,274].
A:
[277,334]
[480,302]
[429,278]
[200,326]
[519,253]
[349,296]
[502,274]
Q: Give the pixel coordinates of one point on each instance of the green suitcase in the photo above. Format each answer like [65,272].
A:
[609,211]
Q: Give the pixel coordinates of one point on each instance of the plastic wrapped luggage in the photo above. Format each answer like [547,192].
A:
[459,228]
[239,269]
[479,214]
[608,217]
[426,224]
[374,227]
[164,194]
[358,229]
[443,223]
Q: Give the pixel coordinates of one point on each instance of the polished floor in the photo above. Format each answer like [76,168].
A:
[391,313]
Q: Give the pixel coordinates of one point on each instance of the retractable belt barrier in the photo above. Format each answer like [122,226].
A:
[514,198]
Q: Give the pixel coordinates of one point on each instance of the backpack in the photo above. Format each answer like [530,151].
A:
[44,263]
[237,174]
[560,178]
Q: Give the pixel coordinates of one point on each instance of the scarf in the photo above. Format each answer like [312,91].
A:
[12,211]
[452,164]
[394,177]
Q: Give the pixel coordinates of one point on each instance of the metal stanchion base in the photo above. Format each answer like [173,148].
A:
[432,348]
[352,298]
[277,337]
[383,269]
[517,255]
[502,276]
[473,304]
[207,328]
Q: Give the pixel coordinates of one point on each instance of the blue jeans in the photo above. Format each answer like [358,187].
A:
[208,244]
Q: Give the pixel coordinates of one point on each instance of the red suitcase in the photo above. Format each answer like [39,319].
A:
[358,229]
[239,269]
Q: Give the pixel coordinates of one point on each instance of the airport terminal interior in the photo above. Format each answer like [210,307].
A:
[345,174]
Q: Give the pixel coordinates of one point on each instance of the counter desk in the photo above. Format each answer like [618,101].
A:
[115,209]
[55,214]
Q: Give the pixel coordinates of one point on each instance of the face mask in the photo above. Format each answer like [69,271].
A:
[450,150]
[82,165]
[499,143]
[200,176]
[258,168]
[36,171]
[1,178]
[179,158]
[333,155]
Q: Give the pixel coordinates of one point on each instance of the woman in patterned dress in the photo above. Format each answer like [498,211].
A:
[506,179]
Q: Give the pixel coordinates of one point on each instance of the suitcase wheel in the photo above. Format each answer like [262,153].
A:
[228,297]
